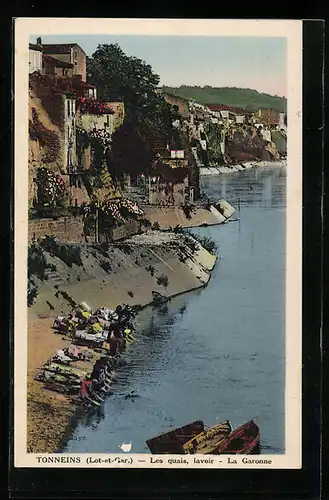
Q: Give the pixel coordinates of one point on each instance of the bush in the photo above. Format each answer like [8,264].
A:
[37,262]
[205,241]
[209,244]
[188,210]
[125,249]
[145,223]
[156,226]
[150,269]
[163,280]
[68,253]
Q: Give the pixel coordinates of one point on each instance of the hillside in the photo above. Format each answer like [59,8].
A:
[231,96]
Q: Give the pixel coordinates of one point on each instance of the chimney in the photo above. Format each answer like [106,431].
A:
[39,41]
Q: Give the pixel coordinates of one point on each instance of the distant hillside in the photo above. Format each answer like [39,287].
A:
[231,96]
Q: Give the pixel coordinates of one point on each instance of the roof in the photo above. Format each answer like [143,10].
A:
[80,84]
[224,107]
[60,48]
[33,46]
[56,62]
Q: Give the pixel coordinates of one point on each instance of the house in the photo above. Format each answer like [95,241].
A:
[224,112]
[35,58]
[53,66]
[283,121]
[268,116]
[52,132]
[180,102]
[70,53]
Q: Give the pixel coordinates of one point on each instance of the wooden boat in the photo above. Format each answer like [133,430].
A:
[172,441]
[243,440]
[209,440]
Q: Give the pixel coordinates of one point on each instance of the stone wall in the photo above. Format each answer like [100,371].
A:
[167,193]
[130,228]
[66,229]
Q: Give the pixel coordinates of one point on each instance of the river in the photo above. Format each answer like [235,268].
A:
[217,353]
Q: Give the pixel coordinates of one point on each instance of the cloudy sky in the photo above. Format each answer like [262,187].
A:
[248,62]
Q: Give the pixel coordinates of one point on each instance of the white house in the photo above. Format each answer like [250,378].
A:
[35,58]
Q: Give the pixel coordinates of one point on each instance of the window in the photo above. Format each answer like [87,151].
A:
[68,108]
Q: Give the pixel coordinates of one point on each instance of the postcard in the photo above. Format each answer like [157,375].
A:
[158,237]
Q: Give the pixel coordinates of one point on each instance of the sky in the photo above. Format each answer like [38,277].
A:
[248,62]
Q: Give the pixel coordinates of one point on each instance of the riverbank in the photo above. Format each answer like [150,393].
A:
[167,263]
[226,169]
[170,217]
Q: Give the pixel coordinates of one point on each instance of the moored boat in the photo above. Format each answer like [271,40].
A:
[209,440]
[172,441]
[243,440]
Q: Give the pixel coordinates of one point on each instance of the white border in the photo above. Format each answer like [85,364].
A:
[292,30]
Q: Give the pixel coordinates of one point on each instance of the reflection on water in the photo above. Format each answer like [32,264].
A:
[217,353]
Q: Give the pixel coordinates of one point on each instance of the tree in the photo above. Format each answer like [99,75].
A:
[130,153]
[128,79]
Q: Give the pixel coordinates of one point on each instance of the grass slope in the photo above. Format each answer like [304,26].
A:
[231,96]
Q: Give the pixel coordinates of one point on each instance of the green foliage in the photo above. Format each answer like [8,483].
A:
[131,80]
[231,96]
[163,280]
[68,253]
[206,241]
[130,151]
[37,262]
[214,133]
[36,267]
[150,269]
[32,291]
[209,244]
[89,225]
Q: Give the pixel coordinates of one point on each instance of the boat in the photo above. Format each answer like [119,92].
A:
[209,440]
[243,440]
[172,441]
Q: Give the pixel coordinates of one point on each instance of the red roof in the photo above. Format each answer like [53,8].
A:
[79,83]
[224,107]
[56,62]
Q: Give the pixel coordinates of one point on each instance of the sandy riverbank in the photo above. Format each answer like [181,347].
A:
[49,414]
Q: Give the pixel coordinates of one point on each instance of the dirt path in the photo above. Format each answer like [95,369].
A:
[48,412]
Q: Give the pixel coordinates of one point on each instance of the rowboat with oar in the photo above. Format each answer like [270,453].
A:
[209,440]
[173,441]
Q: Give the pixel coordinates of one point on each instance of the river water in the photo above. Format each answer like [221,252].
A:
[217,353]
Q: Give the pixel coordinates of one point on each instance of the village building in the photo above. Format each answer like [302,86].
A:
[181,103]
[53,66]
[268,116]
[61,111]
[231,114]
[70,53]
[35,58]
